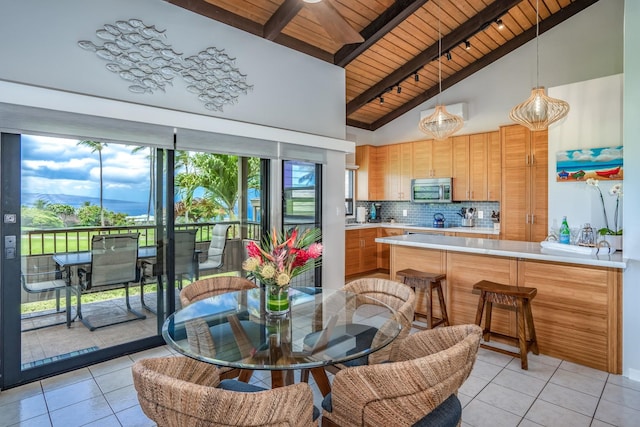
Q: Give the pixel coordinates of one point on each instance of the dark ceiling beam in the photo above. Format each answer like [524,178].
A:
[376,30]
[216,13]
[513,44]
[451,40]
[285,13]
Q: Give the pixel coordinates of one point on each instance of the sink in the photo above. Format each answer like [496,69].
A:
[353,224]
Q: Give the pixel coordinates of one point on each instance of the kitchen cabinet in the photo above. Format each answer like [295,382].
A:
[494,166]
[361,251]
[370,176]
[523,207]
[476,173]
[399,171]
[433,159]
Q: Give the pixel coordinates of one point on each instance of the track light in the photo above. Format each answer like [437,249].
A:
[381,100]
[447,54]
[500,23]
[399,90]
[467,44]
[416,77]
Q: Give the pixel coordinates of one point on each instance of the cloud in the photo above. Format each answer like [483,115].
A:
[609,154]
[582,156]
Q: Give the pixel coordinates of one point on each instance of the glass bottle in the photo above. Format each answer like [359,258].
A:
[565,232]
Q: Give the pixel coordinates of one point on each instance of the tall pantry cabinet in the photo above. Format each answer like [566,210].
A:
[523,207]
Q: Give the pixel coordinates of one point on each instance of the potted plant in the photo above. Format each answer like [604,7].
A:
[612,235]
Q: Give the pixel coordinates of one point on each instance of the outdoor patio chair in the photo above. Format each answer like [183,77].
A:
[185,266]
[215,253]
[36,281]
[184,392]
[417,388]
[114,263]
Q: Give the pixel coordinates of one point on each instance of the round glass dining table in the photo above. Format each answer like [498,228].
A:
[323,327]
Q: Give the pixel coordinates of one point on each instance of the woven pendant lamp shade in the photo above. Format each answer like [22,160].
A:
[539,110]
[441,124]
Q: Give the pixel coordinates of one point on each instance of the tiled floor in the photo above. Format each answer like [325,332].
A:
[498,393]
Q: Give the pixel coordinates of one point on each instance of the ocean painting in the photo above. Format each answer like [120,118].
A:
[599,163]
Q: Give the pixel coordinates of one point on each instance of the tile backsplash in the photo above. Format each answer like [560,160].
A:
[422,213]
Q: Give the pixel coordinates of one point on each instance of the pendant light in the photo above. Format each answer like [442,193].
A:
[441,124]
[539,110]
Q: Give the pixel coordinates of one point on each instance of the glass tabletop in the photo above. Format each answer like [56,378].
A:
[323,327]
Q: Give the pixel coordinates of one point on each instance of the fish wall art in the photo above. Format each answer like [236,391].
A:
[141,55]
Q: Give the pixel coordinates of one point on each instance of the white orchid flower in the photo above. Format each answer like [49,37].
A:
[592,182]
[616,190]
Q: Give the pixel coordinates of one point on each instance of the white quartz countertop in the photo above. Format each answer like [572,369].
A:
[505,248]
[413,227]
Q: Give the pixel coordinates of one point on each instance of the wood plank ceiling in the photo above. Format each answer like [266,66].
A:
[393,67]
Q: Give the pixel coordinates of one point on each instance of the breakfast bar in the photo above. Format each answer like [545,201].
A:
[578,307]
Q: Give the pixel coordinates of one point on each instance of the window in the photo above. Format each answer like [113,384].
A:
[349,192]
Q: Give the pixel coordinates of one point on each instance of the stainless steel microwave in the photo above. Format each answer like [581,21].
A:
[432,190]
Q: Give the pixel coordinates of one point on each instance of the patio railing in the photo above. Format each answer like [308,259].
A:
[77,239]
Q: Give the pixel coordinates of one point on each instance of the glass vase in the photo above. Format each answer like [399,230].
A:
[277,300]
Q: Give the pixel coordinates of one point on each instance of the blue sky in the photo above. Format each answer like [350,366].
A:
[60,166]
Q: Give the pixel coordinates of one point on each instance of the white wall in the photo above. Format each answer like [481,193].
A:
[631,133]
[291,90]
[572,52]
[595,120]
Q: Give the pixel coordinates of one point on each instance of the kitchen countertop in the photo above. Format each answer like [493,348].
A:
[504,248]
[479,230]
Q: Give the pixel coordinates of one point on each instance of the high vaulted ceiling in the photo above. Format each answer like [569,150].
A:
[390,49]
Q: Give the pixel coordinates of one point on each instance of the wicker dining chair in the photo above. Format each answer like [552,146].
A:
[205,288]
[184,392]
[198,332]
[418,387]
[396,295]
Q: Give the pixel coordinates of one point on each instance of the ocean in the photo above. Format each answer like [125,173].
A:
[118,206]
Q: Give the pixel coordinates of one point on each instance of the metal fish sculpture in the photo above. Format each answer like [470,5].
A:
[139,54]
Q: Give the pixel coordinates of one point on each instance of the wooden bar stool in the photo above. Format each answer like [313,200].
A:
[429,282]
[513,296]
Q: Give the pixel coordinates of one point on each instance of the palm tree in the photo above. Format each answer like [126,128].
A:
[97,146]
[152,176]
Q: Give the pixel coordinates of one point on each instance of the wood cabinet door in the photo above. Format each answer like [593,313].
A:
[352,252]
[392,179]
[515,146]
[363,159]
[442,158]
[478,167]
[422,158]
[406,170]
[513,207]
[539,187]
[369,249]
[384,250]
[494,166]
[377,173]
[460,156]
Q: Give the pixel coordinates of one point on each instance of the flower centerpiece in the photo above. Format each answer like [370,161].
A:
[279,259]
[606,231]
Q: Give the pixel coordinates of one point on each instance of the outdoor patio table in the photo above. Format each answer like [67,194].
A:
[65,261]
[321,329]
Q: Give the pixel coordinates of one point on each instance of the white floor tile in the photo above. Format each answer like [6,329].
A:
[570,399]
[473,385]
[134,417]
[547,414]
[510,400]
[584,370]
[617,414]
[536,368]
[110,366]
[485,370]
[18,393]
[40,421]
[624,382]
[115,380]
[110,421]
[81,413]
[624,396]
[122,398]
[578,382]
[65,379]
[519,382]
[494,358]
[22,410]
[480,414]
[73,393]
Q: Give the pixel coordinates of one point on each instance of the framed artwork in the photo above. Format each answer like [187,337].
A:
[598,163]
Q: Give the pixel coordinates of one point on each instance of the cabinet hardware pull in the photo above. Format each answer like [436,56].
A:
[533,218]
[526,221]
[533,159]
[526,162]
